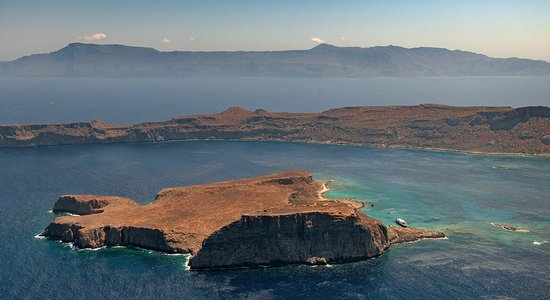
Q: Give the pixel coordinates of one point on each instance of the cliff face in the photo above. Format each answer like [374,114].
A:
[88,204]
[96,237]
[474,129]
[295,238]
[269,220]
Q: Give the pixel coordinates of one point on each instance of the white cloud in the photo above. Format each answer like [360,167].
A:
[342,38]
[165,41]
[318,40]
[192,38]
[93,37]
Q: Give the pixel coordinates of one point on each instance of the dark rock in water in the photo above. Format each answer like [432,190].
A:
[270,220]
[316,261]
[509,227]
[434,219]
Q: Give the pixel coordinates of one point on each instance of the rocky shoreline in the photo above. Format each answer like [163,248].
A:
[264,221]
[475,130]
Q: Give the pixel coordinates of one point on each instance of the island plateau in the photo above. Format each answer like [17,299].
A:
[478,129]
[270,220]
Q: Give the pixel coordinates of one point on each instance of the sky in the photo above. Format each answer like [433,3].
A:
[502,28]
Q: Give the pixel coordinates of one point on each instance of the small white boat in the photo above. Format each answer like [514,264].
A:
[401,222]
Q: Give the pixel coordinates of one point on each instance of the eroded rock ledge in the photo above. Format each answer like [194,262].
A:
[269,220]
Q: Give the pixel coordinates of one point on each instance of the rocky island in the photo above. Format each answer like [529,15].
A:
[500,130]
[269,220]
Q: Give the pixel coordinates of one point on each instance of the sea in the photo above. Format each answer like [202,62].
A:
[133,100]
[462,195]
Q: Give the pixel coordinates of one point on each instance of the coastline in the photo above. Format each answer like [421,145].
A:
[296,205]
[324,189]
[430,127]
[350,144]
[399,147]
[351,202]
[472,152]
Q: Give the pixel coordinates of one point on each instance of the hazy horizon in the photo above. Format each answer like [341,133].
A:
[37,100]
[245,50]
[499,29]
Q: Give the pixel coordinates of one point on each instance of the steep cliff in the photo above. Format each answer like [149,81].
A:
[268,220]
[471,129]
[293,238]
[89,204]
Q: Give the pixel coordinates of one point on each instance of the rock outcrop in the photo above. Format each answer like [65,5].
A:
[89,204]
[397,234]
[470,129]
[263,221]
[512,228]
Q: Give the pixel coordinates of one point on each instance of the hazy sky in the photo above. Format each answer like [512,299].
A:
[502,28]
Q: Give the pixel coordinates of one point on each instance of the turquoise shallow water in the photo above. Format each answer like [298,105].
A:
[457,193]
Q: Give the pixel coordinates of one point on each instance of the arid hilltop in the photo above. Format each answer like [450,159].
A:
[523,130]
[269,220]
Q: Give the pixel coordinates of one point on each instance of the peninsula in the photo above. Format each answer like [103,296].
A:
[270,220]
[491,130]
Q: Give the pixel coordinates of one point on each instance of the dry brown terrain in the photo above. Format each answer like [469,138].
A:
[269,220]
[470,129]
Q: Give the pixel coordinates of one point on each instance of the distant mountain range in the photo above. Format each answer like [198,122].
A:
[86,60]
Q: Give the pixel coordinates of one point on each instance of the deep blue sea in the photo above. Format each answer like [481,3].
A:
[457,193]
[132,100]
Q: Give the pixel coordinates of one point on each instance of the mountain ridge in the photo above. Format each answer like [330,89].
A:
[324,60]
